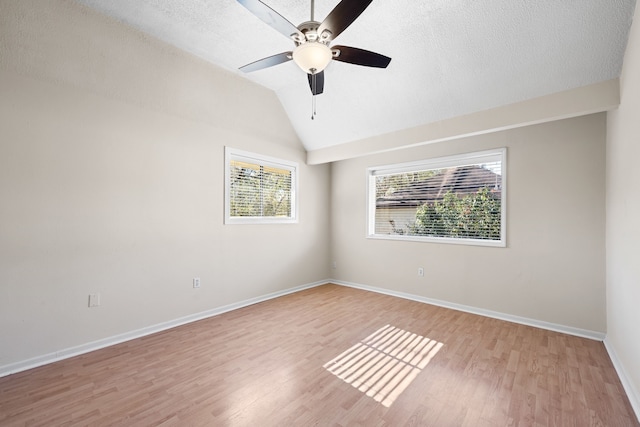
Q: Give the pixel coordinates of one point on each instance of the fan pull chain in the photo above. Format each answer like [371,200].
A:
[313,107]
[313,95]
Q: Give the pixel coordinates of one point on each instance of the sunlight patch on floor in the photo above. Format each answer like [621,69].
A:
[383,365]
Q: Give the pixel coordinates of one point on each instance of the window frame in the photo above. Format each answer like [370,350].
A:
[465,159]
[231,154]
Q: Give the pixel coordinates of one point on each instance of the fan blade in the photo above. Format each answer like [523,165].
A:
[319,85]
[271,18]
[342,16]
[267,62]
[353,55]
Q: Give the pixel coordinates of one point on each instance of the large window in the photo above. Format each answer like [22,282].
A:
[457,199]
[259,189]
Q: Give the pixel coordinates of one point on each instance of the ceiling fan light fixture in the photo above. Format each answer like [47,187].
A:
[312,57]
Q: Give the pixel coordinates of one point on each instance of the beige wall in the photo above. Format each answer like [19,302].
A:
[111,182]
[552,269]
[623,223]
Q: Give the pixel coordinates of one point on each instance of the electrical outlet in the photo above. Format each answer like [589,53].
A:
[420,272]
[334,265]
[94,300]
[196,282]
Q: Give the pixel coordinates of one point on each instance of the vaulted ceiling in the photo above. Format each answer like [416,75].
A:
[449,57]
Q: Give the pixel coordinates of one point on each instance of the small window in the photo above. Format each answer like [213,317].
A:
[259,189]
[457,199]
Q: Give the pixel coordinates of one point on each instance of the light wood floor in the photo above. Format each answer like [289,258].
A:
[329,356]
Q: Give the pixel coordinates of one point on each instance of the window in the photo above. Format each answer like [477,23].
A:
[259,189]
[457,199]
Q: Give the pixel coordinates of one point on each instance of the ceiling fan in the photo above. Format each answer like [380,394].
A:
[312,52]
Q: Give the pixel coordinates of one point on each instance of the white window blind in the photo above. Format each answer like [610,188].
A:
[259,189]
[457,199]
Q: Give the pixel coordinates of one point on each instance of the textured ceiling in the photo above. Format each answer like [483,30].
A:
[449,57]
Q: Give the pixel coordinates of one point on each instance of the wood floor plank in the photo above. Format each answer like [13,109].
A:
[329,356]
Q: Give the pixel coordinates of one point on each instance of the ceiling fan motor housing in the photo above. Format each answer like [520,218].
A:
[310,31]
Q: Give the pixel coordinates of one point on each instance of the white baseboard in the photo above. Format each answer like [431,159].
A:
[632,393]
[627,384]
[117,339]
[599,336]
[66,353]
